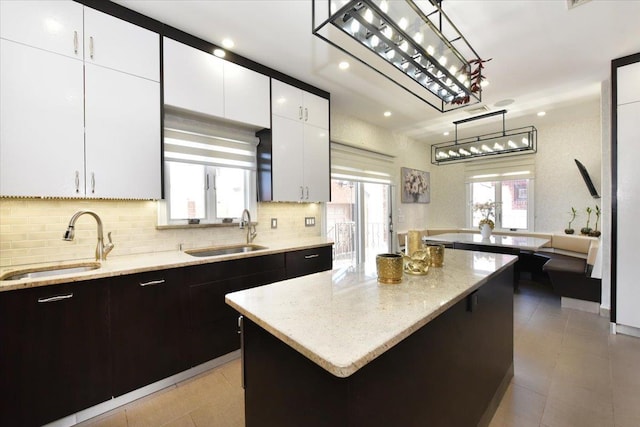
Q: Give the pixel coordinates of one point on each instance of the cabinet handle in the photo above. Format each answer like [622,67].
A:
[75,42]
[301,192]
[93,182]
[91,47]
[153,283]
[307,196]
[241,332]
[311,256]
[300,112]
[56,298]
[306,114]
[77,182]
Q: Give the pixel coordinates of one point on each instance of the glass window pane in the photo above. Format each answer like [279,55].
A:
[341,226]
[230,192]
[481,192]
[376,218]
[186,191]
[515,203]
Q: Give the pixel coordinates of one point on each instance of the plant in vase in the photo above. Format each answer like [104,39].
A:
[595,232]
[586,230]
[570,230]
[486,210]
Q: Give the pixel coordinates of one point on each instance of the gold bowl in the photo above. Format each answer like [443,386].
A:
[389,268]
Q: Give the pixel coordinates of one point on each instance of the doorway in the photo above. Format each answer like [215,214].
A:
[359,221]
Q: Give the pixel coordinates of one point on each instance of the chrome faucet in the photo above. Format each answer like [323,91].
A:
[251,229]
[102,250]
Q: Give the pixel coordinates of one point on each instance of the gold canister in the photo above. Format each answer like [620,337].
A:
[389,268]
[436,255]
[413,241]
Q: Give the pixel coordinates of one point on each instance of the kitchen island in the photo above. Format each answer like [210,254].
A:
[338,349]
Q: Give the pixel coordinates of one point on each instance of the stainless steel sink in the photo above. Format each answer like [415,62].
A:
[36,273]
[224,250]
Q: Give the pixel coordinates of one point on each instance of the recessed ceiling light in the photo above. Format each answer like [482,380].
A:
[220,53]
[387,113]
[446,133]
[228,43]
[542,113]
[343,65]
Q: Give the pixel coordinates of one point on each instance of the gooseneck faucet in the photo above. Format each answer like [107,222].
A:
[102,250]
[251,229]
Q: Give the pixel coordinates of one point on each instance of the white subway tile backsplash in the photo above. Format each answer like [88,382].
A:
[31,229]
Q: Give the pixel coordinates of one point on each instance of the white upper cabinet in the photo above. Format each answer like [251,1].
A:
[113,43]
[198,81]
[55,26]
[192,79]
[246,96]
[41,123]
[293,103]
[317,175]
[74,126]
[629,83]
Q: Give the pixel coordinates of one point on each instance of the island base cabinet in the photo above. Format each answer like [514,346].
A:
[54,352]
[451,372]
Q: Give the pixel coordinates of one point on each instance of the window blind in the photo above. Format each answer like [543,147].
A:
[191,139]
[356,164]
[522,167]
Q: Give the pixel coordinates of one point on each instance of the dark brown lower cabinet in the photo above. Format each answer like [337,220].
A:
[147,319]
[54,351]
[213,325]
[307,261]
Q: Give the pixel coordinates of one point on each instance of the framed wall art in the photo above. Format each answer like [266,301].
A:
[416,186]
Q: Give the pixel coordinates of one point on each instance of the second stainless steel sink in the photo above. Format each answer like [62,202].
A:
[224,250]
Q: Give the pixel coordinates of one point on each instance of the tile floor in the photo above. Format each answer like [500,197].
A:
[569,372]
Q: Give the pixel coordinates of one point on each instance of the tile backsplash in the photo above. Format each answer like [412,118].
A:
[31,229]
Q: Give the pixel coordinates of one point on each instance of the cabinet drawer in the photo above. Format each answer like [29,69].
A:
[307,261]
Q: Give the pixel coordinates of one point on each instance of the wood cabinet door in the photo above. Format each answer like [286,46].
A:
[55,26]
[123,158]
[54,358]
[247,97]
[193,79]
[148,325]
[117,44]
[42,117]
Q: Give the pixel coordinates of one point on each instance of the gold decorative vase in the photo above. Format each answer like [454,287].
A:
[436,255]
[389,268]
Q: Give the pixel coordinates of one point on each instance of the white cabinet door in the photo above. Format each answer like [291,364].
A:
[316,164]
[193,79]
[629,83]
[286,100]
[55,26]
[41,123]
[122,135]
[628,291]
[316,110]
[120,45]
[287,154]
[246,96]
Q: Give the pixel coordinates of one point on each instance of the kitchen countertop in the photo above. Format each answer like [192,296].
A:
[130,264]
[343,319]
[520,242]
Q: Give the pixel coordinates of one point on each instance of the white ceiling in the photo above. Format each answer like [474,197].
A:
[545,56]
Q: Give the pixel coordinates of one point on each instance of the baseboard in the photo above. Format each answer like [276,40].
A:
[627,330]
[114,403]
[578,304]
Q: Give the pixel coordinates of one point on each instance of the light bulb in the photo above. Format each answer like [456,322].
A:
[512,144]
[453,70]
[374,41]
[404,46]
[388,32]
[474,150]
[443,60]
[368,16]
[384,6]
[391,54]
[403,23]
[497,146]
[486,148]
[418,37]
[430,50]
[355,26]
[525,141]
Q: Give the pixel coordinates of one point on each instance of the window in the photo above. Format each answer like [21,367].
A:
[210,169]
[207,193]
[509,185]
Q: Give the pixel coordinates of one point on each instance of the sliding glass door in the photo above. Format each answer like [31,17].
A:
[358,221]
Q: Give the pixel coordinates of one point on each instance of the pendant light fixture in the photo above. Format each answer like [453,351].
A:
[498,144]
[413,44]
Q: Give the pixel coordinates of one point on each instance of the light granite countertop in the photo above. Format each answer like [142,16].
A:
[343,319]
[130,264]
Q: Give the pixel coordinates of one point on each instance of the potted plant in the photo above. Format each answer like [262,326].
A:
[570,230]
[486,209]
[595,232]
[586,230]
